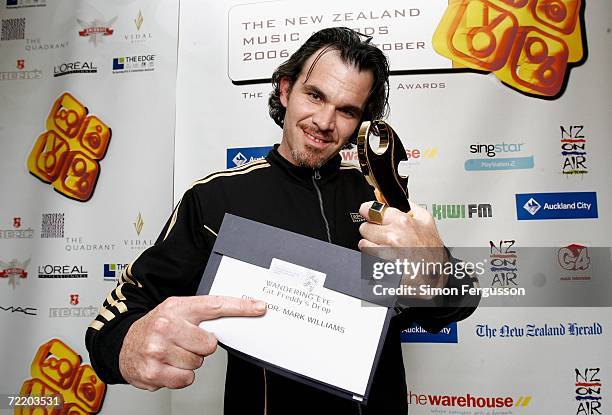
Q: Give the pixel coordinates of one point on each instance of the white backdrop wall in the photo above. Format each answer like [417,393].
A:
[123,58]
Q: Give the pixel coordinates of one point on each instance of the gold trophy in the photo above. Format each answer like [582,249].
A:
[380,165]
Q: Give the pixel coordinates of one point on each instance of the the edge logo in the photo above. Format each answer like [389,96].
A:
[573,150]
[588,391]
[110,271]
[137,63]
[570,205]
[504,263]
[490,160]
[480,210]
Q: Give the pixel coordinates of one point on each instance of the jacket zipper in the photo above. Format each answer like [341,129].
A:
[315,177]
[265,411]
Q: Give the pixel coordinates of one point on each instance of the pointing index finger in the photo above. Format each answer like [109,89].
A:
[210,307]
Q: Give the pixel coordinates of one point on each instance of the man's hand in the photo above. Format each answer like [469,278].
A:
[416,229]
[165,346]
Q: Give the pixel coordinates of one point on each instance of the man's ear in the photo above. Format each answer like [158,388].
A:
[285,90]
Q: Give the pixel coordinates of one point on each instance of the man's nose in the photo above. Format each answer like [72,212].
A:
[325,118]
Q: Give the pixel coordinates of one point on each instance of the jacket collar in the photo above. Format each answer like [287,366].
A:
[303,173]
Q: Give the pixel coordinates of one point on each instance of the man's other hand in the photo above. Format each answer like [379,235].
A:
[165,346]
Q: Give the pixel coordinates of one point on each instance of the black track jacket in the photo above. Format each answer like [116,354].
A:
[318,203]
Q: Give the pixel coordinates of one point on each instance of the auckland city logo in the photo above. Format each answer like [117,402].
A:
[570,205]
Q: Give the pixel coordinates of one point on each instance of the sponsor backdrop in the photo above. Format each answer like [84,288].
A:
[503,109]
[87,138]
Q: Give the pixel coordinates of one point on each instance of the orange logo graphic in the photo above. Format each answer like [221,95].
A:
[528,44]
[67,154]
[57,371]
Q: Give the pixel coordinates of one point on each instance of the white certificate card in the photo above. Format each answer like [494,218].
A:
[308,329]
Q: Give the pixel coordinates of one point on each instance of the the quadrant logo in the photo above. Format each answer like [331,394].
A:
[571,205]
[416,334]
[242,155]
[493,157]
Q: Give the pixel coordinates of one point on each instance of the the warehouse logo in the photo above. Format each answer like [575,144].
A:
[470,211]
[414,155]
[136,63]
[74,67]
[571,205]
[61,271]
[489,157]
[573,150]
[503,263]
[468,401]
[588,391]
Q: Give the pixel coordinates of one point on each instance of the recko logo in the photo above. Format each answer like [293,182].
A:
[489,159]
[17,232]
[574,205]
[238,156]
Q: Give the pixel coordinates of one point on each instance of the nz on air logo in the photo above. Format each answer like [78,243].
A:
[573,151]
[67,155]
[489,157]
[504,263]
[588,391]
[571,205]
[58,370]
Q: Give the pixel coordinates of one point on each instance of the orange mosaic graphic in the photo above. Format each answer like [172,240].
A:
[57,371]
[67,155]
[528,44]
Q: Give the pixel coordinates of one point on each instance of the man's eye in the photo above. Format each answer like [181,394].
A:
[314,96]
[348,113]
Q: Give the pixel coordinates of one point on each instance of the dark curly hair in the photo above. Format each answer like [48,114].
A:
[355,49]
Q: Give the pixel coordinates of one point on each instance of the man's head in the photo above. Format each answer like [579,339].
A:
[322,93]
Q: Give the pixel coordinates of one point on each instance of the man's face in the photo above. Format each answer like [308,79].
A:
[323,110]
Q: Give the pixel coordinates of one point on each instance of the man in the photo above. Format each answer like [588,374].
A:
[147,333]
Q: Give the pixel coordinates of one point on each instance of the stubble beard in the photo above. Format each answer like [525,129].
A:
[308,158]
